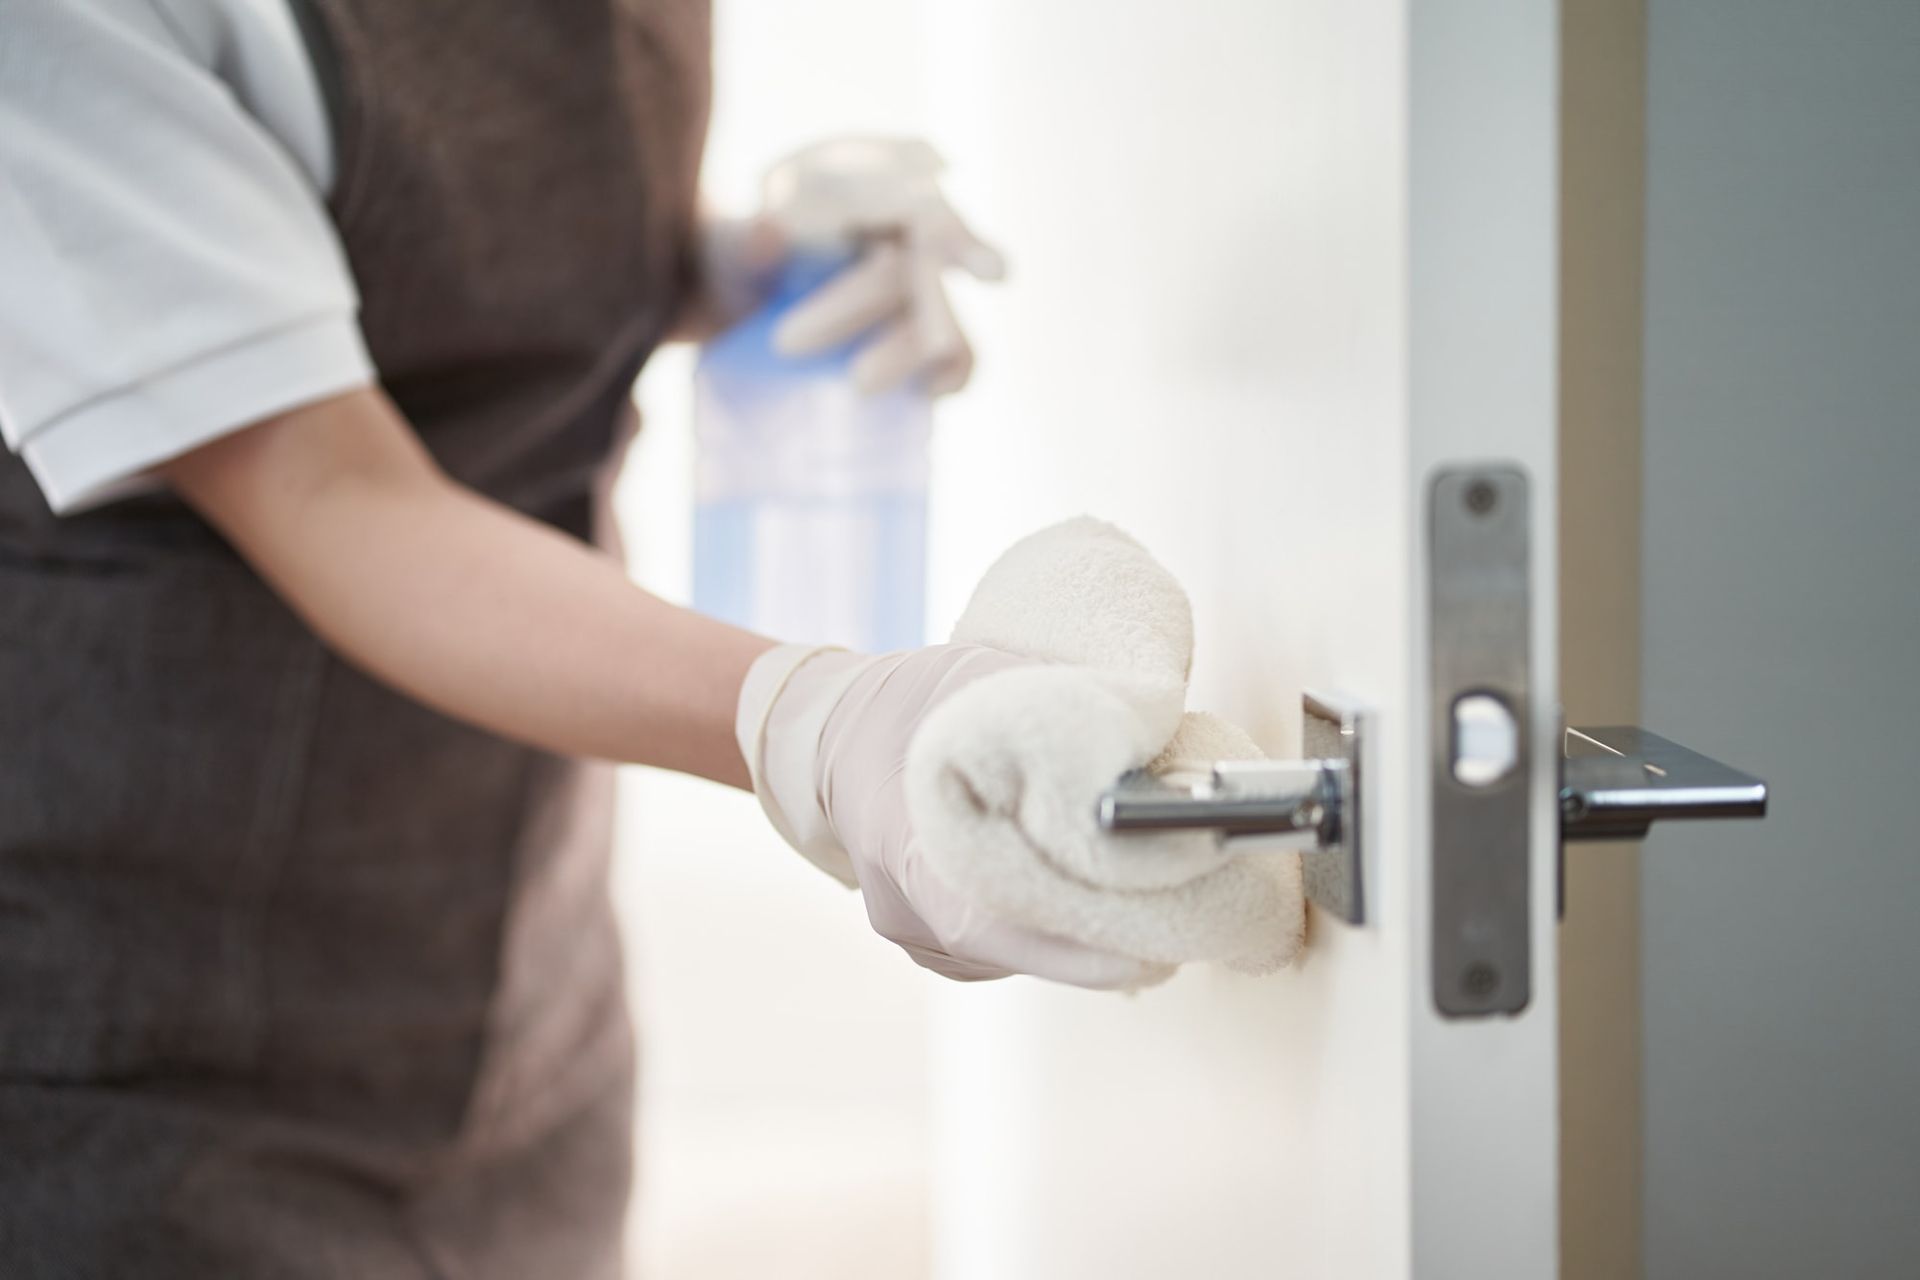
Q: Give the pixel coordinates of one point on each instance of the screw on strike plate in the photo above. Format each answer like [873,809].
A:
[1481,497]
[1480,980]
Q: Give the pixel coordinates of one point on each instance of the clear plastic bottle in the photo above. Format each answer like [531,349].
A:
[811,495]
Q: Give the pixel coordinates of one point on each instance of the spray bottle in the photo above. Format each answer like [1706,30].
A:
[811,494]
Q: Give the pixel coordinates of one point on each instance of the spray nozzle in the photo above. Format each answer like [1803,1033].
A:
[833,194]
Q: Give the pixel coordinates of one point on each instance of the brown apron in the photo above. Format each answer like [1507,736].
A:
[298,978]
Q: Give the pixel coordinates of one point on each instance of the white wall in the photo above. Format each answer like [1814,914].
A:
[1202,340]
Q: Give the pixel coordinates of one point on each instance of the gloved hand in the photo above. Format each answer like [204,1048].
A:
[825,735]
[879,199]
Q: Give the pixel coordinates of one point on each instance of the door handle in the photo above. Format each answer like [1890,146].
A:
[1613,782]
[1312,805]
[1299,802]
[1616,781]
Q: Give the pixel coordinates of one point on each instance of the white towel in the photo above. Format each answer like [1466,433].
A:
[1004,777]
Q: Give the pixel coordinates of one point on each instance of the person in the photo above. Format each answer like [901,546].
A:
[318,330]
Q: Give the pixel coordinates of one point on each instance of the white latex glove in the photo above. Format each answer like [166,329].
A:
[882,199]
[825,734]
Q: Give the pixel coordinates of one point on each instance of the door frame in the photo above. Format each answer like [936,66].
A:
[1483,272]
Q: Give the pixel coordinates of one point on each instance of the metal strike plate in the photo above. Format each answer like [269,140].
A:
[1480,671]
[1255,806]
[1618,780]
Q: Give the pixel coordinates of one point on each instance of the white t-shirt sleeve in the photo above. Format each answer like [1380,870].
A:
[168,271]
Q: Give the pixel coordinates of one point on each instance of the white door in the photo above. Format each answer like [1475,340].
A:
[1278,264]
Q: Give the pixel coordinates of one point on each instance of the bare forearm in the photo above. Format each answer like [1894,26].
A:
[474,609]
[497,619]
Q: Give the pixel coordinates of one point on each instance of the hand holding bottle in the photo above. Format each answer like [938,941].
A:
[873,212]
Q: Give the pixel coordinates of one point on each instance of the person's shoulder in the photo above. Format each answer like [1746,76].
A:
[190,29]
[172,270]
[203,32]
[255,50]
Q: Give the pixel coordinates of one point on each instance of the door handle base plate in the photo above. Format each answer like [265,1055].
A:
[1333,729]
[1252,806]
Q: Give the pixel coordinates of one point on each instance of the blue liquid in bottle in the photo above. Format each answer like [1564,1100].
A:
[811,496]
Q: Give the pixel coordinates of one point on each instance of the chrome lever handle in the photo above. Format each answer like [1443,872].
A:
[1239,798]
[1617,781]
[1311,805]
